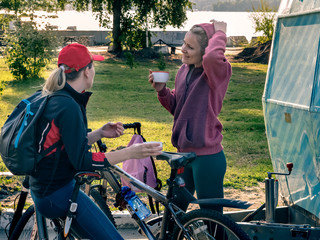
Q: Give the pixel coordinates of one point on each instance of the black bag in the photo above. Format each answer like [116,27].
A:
[18,146]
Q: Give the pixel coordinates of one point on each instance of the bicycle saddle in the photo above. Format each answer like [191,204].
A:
[177,160]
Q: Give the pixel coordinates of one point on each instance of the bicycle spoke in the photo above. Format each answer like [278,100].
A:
[205,224]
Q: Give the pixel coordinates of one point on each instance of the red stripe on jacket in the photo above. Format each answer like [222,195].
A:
[98,157]
[52,137]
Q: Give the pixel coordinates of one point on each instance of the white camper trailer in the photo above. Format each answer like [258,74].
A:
[291,104]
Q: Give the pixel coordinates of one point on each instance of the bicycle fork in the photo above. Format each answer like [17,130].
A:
[41,226]
[172,210]
[169,210]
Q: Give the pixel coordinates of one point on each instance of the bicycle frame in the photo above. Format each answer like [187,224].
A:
[41,225]
[172,211]
[166,201]
[169,206]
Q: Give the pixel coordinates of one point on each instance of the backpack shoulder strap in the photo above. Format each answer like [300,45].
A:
[60,93]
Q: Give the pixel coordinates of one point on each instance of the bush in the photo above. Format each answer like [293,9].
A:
[264,20]
[29,50]
[130,59]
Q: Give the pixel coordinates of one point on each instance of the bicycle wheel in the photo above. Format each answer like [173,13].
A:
[206,224]
[99,200]
[25,228]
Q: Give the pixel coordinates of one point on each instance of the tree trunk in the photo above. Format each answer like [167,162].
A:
[116,32]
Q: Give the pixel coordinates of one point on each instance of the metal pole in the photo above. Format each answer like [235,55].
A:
[270,200]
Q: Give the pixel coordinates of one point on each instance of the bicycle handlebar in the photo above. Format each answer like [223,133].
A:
[132,125]
[175,160]
[135,125]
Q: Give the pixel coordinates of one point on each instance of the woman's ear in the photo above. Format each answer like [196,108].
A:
[86,72]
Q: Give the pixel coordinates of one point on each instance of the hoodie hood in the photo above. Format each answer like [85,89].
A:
[208,28]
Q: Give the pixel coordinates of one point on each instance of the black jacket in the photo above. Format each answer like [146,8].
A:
[64,119]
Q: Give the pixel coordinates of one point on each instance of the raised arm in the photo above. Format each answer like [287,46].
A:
[215,64]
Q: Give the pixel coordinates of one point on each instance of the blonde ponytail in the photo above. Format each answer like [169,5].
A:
[55,81]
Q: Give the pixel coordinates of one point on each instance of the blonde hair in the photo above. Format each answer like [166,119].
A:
[58,78]
[201,36]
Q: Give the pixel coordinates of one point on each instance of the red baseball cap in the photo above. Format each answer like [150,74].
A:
[76,56]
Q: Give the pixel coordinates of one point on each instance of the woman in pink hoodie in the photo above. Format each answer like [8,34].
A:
[195,102]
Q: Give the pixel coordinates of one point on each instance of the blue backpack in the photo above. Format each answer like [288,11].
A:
[18,144]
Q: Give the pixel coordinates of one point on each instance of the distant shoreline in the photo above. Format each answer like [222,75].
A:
[238,23]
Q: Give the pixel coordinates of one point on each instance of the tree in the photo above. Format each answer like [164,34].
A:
[28,49]
[132,18]
[264,20]
[20,6]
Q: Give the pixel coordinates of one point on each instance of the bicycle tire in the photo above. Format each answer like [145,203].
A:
[208,224]
[99,200]
[25,226]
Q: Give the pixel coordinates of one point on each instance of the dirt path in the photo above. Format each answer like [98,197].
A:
[254,195]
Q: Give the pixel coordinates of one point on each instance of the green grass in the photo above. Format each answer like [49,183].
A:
[245,143]
[124,94]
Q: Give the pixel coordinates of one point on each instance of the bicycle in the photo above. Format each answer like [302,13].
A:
[187,225]
[20,219]
[18,213]
[32,225]
[196,224]
[100,192]
[174,223]
[19,207]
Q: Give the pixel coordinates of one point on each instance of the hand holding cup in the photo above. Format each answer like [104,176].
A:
[158,79]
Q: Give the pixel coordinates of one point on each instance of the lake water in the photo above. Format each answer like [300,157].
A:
[238,23]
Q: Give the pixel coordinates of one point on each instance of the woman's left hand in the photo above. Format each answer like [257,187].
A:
[219,26]
[112,130]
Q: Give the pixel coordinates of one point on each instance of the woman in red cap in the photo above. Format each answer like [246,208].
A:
[195,102]
[64,120]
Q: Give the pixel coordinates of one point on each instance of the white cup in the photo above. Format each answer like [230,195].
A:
[160,76]
[155,142]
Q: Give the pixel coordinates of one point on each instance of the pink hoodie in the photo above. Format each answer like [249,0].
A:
[196,106]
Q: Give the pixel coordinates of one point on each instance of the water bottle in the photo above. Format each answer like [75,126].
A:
[135,204]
